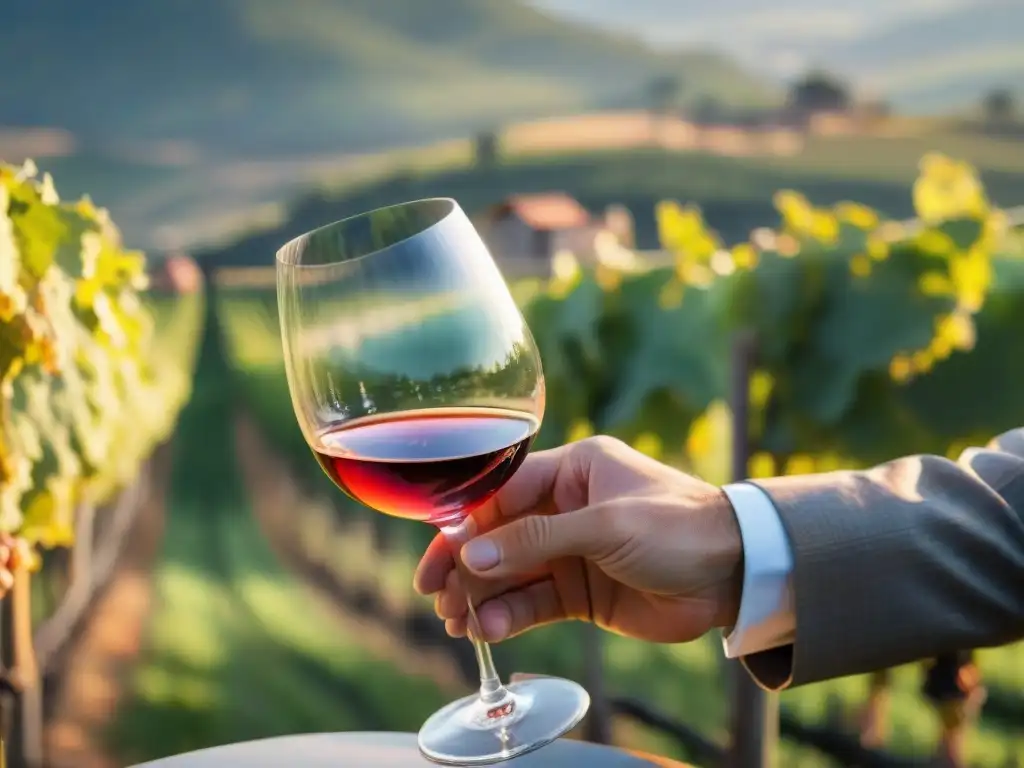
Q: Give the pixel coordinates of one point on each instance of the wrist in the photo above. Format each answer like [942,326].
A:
[731,593]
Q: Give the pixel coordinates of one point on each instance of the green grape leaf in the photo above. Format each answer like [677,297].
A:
[963,231]
[38,229]
[995,364]
[862,326]
[677,348]
[578,316]
[773,295]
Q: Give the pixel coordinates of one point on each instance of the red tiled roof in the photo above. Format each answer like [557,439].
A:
[554,210]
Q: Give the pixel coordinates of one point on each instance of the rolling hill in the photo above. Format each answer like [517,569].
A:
[922,55]
[952,58]
[266,76]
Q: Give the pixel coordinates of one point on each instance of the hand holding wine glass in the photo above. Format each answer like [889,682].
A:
[418,386]
[597,531]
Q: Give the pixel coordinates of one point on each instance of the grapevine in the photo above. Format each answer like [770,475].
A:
[864,327]
[84,392]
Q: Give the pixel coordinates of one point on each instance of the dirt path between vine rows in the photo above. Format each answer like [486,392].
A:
[95,670]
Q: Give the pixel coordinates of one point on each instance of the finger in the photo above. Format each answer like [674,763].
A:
[446,604]
[455,627]
[529,543]
[450,602]
[530,490]
[555,480]
[532,486]
[515,612]
[434,567]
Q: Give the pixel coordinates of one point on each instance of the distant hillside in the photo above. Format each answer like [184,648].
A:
[920,55]
[735,194]
[302,75]
[952,58]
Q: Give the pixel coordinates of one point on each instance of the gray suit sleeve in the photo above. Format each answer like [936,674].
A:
[902,562]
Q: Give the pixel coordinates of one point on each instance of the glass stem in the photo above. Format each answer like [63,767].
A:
[493,694]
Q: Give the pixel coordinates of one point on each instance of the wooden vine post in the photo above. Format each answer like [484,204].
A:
[755,713]
[20,687]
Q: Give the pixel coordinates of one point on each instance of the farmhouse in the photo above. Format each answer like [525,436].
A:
[524,232]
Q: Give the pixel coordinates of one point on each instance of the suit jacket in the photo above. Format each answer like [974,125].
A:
[905,561]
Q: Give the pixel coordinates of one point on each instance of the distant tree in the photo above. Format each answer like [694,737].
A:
[999,105]
[487,149]
[707,109]
[664,92]
[819,91]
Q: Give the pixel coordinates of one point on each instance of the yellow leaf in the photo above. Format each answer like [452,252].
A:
[935,284]
[941,348]
[900,368]
[947,189]
[922,361]
[877,248]
[800,464]
[797,214]
[744,256]
[761,464]
[858,215]
[761,384]
[824,226]
[936,242]
[829,462]
[567,274]
[698,441]
[649,444]
[860,266]
[679,228]
[579,430]
[956,331]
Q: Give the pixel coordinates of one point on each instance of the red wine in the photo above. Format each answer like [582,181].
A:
[431,466]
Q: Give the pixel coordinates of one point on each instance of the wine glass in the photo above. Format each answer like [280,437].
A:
[418,385]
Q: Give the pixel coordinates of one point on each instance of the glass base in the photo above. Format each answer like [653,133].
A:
[469,732]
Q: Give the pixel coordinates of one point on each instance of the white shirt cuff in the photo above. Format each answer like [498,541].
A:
[766,617]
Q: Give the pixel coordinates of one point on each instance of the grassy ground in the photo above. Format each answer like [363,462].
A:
[684,680]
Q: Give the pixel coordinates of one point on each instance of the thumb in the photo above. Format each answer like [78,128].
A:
[526,544]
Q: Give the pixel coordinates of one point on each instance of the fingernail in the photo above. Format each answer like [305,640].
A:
[480,554]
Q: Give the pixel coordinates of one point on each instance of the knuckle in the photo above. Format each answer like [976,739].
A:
[533,532]
[603,445]
[589,452]
[612,518]
[521,613]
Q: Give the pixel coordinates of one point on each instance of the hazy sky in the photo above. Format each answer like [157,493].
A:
[782,35]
